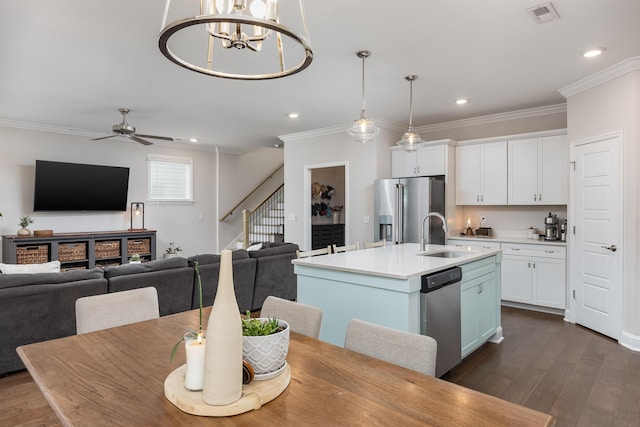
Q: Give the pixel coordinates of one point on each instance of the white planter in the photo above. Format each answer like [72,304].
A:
[170,255]
[269,352]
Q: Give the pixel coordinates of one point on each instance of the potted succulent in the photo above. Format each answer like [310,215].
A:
[265,343]
[172,250]
[24,223]
[135,259]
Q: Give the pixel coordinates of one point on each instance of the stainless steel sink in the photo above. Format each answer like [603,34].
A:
[446,254]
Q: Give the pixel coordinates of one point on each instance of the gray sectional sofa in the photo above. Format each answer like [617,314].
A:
[41,306]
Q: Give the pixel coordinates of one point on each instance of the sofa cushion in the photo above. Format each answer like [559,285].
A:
[146,267]
[47,267]
[15,280]
[282,248]
[33,312]
[244,275]
[204,259]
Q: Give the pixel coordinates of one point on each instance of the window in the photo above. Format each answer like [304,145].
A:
[170,178]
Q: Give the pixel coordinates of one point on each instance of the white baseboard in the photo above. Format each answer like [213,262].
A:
[630,341]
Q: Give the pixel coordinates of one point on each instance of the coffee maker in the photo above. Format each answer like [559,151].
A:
[551,227]
[563,230]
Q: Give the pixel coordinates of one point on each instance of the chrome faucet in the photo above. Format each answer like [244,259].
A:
[423,242]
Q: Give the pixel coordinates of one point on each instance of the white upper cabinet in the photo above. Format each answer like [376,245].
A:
[538,170]
[428,161]
[481,174]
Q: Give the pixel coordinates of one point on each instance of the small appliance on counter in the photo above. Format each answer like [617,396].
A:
[563,230]
[554,228]
[551,227]
[483,231]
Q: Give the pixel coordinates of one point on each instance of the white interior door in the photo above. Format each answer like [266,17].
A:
[596,260]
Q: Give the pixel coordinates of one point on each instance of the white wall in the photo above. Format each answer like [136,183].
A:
[191,225]
[239,175]
[613,106]
[365,163]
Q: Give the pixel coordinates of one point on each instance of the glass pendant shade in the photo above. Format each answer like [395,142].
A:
[363,129]
[411,141]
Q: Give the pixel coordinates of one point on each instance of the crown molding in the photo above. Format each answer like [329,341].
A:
[177,143]
[333,130]
[610,73]
[48,128]
[494,118]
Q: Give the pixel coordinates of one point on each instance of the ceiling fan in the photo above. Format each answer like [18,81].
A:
[125,129]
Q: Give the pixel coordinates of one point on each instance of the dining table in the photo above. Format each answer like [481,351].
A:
[115,377]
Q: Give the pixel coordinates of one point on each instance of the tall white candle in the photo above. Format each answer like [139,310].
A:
[194,375]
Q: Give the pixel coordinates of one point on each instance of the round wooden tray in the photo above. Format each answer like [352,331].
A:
[254,395]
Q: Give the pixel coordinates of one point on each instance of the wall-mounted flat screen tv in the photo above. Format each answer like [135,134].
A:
[63,186]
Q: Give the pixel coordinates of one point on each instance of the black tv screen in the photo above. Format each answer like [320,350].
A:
[63,186]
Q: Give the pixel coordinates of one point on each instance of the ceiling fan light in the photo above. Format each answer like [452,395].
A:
[363,130]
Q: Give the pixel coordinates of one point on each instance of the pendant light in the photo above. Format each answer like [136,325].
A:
[363,129]
[411,141]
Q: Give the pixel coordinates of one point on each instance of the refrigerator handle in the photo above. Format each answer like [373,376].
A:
[400,213]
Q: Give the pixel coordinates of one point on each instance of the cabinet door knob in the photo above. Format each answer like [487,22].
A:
[529,264]
[539,197]
[535,198]
[477,198]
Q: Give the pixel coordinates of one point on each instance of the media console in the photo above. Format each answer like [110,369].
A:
[80,250]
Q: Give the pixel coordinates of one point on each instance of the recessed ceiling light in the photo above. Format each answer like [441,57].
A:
[592,53]
[193,139]
[461,101]
[293,115]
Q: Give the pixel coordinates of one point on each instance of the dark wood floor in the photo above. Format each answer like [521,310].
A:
[580,377]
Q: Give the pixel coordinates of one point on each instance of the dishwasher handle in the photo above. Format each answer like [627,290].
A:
[434,281]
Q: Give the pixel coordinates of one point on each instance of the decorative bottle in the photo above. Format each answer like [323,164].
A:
[223,352]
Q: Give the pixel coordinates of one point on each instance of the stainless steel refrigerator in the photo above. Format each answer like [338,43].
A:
[400,204]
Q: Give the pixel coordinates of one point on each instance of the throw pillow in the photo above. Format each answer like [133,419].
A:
[47,267]
[255,247]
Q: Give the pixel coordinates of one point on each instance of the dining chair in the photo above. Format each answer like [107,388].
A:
[303,319]
[321,251]
[104,311]
[409,350]
[346,248]
[377,244]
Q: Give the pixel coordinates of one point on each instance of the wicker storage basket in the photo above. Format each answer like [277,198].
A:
[72,251]
[32,254]
[138,246]
[108,249]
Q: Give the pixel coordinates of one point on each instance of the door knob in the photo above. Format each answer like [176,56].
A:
[611,248]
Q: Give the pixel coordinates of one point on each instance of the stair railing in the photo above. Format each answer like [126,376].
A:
[260,221]
[230,211]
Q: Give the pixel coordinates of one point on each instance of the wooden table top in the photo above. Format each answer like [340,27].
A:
[115,377]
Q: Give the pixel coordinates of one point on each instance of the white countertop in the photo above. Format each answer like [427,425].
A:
[394,261]
[509,239]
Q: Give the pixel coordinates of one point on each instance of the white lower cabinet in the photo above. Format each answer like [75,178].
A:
[479,304]
[534,274]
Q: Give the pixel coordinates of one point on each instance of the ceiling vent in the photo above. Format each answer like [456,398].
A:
[544,13]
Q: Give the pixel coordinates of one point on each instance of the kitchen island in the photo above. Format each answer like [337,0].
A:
[382,285]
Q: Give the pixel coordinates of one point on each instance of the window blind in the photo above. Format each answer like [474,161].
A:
[170,178]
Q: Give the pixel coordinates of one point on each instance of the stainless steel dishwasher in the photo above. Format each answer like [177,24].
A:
[440,316]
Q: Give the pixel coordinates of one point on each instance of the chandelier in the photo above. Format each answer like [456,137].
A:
[363,129]
[411,141]
[237,39]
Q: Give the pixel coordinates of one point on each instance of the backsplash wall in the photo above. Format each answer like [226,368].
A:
[511,217]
